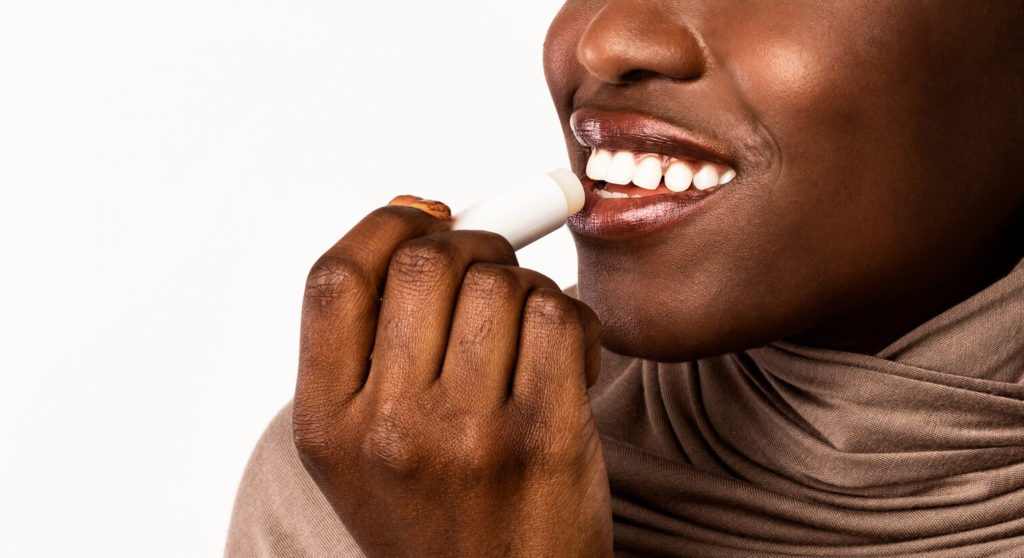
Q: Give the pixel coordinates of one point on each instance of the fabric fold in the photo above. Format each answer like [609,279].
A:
[783,450]
[791,450]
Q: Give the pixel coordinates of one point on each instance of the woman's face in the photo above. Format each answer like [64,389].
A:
[876,146]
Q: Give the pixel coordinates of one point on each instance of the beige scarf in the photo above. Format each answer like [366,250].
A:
[782,450]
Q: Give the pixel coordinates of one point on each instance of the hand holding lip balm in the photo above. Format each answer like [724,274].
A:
[429,355]
[521,213]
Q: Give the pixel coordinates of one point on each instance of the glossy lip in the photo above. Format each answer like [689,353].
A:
[598,129]
[620,218]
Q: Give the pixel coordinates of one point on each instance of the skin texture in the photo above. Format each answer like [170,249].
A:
[877,145]
[441,404]
[441,401]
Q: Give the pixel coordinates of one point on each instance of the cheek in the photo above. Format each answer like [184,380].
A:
[849,143]
[787,71]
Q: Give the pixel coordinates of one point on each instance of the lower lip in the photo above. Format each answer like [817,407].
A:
[621,218]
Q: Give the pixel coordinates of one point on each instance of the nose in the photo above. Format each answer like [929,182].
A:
[630,39]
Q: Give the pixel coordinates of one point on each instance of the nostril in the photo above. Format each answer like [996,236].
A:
[635,75]
[613,63]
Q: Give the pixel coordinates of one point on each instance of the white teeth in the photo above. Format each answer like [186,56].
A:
[678,176]
[705,178]
[607,194]
[597,166]
[622,168]
[648,173]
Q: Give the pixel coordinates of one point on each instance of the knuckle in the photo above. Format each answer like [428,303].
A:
[543,439]
[491,281]
[470,455]
[406,442]
[388,445]
[310,434]
[332,278]
[533,433]
[548,308]
[503,250]
[423,258]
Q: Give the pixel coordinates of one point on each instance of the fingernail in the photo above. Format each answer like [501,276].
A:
[404,200]
[433,207]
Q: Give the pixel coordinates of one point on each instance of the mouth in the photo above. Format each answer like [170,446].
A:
[643,175]
[623,173]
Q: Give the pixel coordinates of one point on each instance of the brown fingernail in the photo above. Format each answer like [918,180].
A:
[433,207]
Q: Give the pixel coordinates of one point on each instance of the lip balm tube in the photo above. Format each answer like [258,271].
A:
[526,211]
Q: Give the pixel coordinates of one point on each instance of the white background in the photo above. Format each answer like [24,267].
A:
[168,173]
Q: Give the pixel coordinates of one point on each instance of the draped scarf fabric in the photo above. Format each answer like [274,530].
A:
[782,450]
[787,450]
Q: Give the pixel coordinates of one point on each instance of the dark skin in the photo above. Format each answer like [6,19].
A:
[441,404]
[872,192]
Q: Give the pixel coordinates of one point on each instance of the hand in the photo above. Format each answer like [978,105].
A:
[441,402]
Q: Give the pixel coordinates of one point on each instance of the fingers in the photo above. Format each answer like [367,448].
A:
[339,310]
[401,300]
[422,285]
[558,350]
[484,340]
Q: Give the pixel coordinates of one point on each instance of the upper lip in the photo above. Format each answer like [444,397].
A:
[628,131]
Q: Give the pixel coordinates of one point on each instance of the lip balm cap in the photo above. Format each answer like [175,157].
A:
[571,187]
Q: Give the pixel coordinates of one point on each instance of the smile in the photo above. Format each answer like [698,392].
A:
[627,174]
[643,175]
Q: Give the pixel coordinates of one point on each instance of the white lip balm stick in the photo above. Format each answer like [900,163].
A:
[526,211]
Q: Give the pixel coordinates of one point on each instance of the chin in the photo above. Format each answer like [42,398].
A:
[631,329]
[668,325]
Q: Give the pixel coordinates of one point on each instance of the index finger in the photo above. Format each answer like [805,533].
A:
[340,305]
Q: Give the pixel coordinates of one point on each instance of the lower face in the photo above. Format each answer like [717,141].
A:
[871,156]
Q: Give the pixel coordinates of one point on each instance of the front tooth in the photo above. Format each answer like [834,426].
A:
[678,176]
[648,173]
[597,166]
[727,176]
[705,178]
[621,169]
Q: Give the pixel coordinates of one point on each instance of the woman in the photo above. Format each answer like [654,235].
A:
[814,343]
